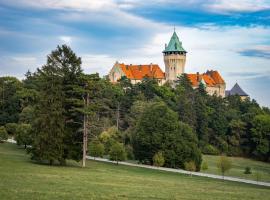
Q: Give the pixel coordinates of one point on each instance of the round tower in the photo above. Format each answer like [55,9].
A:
[174,58]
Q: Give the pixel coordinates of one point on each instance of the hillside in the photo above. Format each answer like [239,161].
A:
[22,179]
[261,169]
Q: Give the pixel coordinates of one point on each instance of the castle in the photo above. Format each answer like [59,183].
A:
[174,59]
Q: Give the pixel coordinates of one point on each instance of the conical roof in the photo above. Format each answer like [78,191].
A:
[237,90]
[174,45]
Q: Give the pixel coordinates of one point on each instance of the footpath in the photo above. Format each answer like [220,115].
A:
[227,178]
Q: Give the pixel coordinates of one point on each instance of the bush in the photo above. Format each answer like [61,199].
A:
[3,133]
[117,152]
[96,149]
[204,165]
[11,128]
[190,166]
[247,170]
[158,159]
[23,134]
[210,150]
[129,151]
[224,164]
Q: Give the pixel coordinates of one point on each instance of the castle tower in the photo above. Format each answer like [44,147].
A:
[174,58]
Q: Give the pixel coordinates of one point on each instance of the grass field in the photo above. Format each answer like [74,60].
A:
[238,168]
[22,179]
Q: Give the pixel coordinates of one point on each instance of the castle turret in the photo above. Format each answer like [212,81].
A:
[174,58]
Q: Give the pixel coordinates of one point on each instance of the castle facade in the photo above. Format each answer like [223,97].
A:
[174,59]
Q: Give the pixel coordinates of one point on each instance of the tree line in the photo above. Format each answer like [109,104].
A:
[161,125]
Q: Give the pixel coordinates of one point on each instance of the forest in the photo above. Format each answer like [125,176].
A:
[152,124]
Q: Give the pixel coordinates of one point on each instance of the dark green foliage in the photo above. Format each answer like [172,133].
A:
[247,170]
[24,135]
[9,100]
[58,118]
[3,133]
[11,128]
[158,129]
[260,136]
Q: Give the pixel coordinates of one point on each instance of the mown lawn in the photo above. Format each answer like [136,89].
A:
[238,168]
[22,179]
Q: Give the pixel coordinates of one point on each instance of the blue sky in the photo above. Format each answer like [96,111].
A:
[231,36]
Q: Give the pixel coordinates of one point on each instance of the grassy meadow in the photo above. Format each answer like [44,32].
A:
[259,169]
[22,179]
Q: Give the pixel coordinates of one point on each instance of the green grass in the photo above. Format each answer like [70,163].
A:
[238,168]
[21,179]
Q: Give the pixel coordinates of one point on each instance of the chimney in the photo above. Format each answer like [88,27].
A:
[165,45]
[151,67]
[198,76]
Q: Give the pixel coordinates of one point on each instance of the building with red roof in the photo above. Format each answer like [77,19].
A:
[174,60]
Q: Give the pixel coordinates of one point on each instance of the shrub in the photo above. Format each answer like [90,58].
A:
[96,149]
[190,166]
[210,150]
[204,165]
[11,128]
[158,159]
[224,164]
[129,151]
[3,133]
[117,152]
[247,170]
[23,134]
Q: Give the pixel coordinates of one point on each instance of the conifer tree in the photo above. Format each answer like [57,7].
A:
[48,144]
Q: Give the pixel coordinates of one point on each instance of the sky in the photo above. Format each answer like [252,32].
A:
[231,36]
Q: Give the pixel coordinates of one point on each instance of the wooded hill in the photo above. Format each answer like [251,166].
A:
[46,110]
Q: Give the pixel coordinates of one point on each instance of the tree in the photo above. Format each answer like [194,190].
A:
[260,136]
[96,149]
[23,135]
[3,133]
[158,129]
[158,159]
[59,110]
[224,164]
[11,128]
[190,166]
[117,152]
[9,100]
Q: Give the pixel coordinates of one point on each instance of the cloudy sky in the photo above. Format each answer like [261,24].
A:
[231,36]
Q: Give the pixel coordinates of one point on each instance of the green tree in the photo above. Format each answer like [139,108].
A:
[96,149]
[9,100]
[224,164]
[261,136]
[158,159]
[11,128]
[49,124]
[158,129]
[3,133]
[117,152]
[23,135]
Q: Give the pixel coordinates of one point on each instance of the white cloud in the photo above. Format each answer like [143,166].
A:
[64,4]
[239,5]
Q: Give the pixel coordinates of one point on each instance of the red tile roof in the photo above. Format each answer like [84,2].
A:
[138,72]
[211,78]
